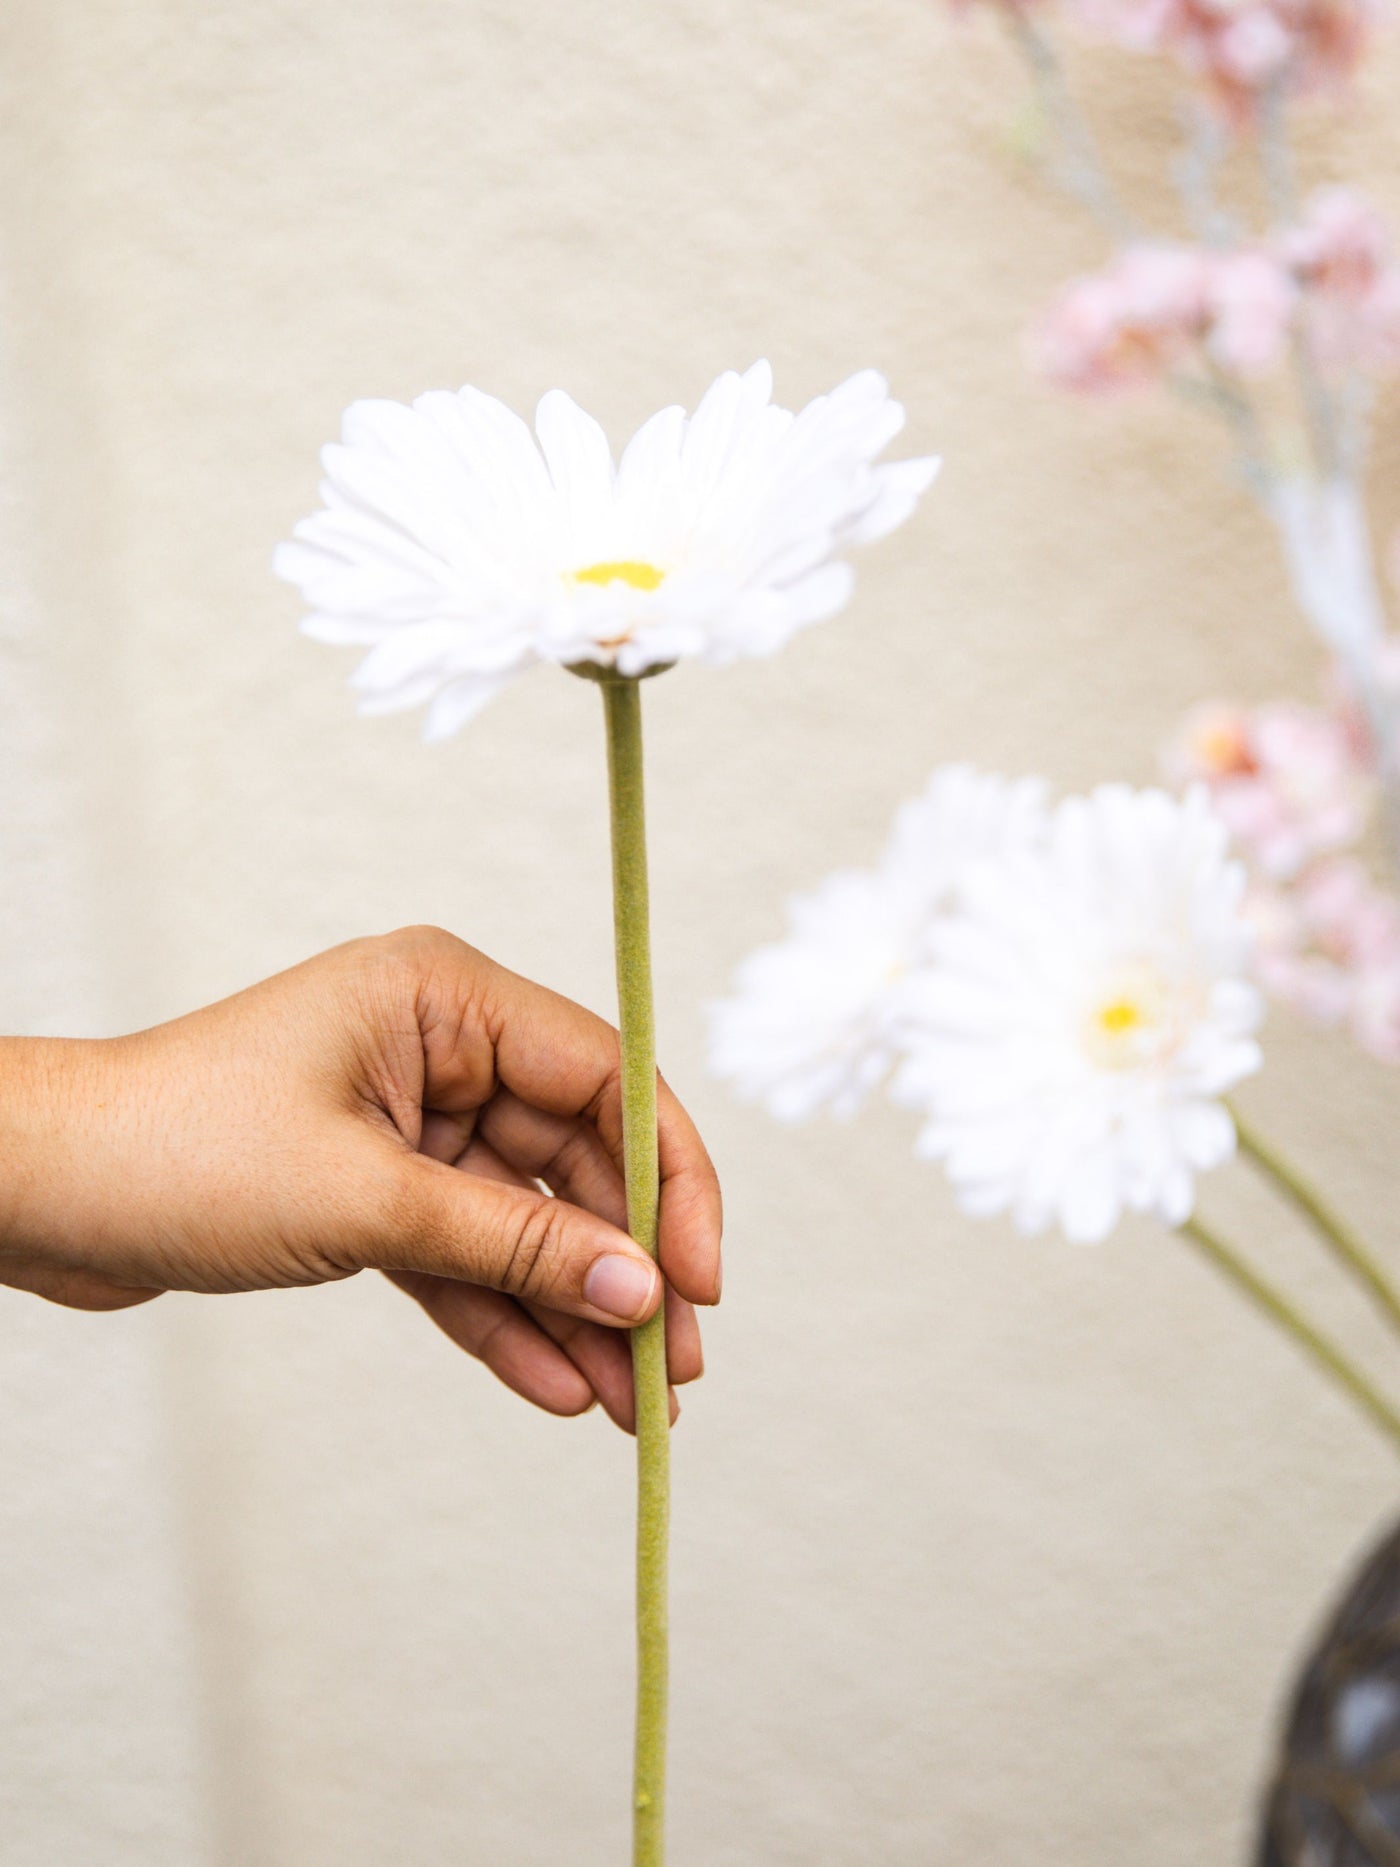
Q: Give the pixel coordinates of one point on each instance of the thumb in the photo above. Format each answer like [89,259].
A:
[515,1239]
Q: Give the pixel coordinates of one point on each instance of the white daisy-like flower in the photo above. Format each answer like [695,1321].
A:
[961,816]
[812,1020]
[1087,1008]
[460,548]
[816,1019]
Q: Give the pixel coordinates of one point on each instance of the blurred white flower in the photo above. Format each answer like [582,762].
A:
[812,1021]
[1086,1009]
[960,816]
[460,551]
[815,1020]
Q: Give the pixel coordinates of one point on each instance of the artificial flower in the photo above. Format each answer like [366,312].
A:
[1329,946]
[1158,307]
[1252,303]
[1375,1009]
[1285,779]
[815,1019]
[1087,1007]
[1340,253]
[1127,326]
[812,1024]
[1238,50]
[461,549]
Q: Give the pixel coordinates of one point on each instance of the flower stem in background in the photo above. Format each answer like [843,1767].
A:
[1280,183]
[1279,1309]
[623,703]
[1339,1237]
[1081,170]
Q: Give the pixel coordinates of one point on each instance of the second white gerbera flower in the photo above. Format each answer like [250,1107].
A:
[1085,1011]
[817,1019]
[460,548]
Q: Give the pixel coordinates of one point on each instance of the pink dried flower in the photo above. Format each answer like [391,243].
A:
[1330,946]
[1253,300]
[963,7]
[1375,1012]
[1330,39]
[1350,708]
[1351,920]
[1356,927]
[1283,777]
[1340,254]
[1154,306]
[1284,962]
[1128,325]
[1237,49]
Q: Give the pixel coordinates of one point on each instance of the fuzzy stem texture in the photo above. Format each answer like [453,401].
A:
[1340,1238]
[1282,1311]
[623,704]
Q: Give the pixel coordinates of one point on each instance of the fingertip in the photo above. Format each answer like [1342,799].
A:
[685,1352]
[694,1275]
[691,1237]
[551,1383]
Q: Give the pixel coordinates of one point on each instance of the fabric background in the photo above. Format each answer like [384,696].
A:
[986,1551]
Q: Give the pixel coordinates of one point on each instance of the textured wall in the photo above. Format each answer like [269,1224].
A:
[986,1551]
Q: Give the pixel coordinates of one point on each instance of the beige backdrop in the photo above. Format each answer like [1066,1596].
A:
[987,1552]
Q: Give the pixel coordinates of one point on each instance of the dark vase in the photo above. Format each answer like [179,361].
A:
[1335,1797]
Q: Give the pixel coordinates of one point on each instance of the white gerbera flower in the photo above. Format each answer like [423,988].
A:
[815,1021]
[960,817]
[810,1024]
[461,548]
[1086,1009]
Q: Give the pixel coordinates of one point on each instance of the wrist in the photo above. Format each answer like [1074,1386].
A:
[53,1109]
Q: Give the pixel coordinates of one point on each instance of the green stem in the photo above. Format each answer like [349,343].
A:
[1280,1310]
[623,705]
[1281,186]
[1339,1237]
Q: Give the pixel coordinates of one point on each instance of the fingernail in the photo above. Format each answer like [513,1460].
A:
[675,1407]
[624,1287]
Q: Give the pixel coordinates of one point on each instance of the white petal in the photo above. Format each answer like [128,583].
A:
[901,483]
[575,449]
[454,705]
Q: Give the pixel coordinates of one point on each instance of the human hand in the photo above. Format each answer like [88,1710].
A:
[396,1103]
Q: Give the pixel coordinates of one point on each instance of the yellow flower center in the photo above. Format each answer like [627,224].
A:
[631,571]
[1137,1020]
[1119,1016]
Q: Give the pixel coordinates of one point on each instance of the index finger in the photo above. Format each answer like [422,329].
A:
[564,1061]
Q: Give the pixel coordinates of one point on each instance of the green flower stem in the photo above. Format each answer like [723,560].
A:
[623,704]
[1339,1237]
[1282,1311]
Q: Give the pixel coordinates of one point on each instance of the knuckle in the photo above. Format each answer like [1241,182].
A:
[405,955]
[423,946]
[445,981]
[538,1251]
[421,937]
[394,965]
